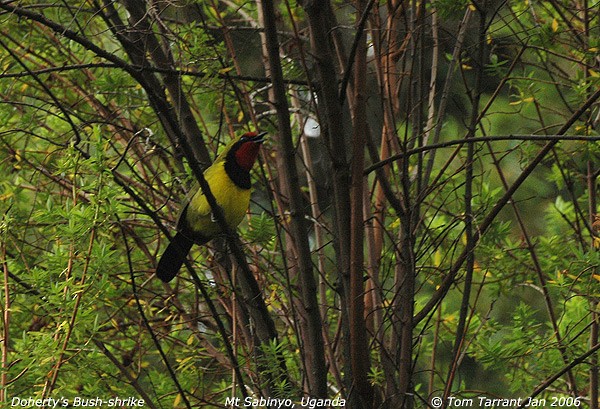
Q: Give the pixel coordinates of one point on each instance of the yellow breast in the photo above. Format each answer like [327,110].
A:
[233,200]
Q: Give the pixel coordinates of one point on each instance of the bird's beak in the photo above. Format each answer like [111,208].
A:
[260,138]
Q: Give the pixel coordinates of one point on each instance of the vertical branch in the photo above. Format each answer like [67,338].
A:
[592,176]
[334,131]
[359,351]
[404,303]
[468,199]
[319,221]
[320,241]
[434,71]
[405,269]
[319,22]
[311,319]
[388,51]
[462,31]
[5,322]
[594,220]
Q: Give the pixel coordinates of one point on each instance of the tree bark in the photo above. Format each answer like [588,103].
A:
[310,325]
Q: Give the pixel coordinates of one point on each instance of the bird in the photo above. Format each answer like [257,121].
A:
[229,181]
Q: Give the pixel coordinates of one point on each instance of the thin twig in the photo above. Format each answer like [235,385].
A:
[579,360]
[537,138]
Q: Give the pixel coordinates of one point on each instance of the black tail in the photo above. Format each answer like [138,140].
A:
[173,257]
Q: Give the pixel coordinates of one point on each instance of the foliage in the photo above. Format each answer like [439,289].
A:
[108,109]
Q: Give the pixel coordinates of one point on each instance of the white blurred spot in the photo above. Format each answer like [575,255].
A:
[312,129]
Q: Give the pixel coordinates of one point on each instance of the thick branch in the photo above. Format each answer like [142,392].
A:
[311,325]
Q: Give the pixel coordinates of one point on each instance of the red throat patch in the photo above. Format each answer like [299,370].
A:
[246,155]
